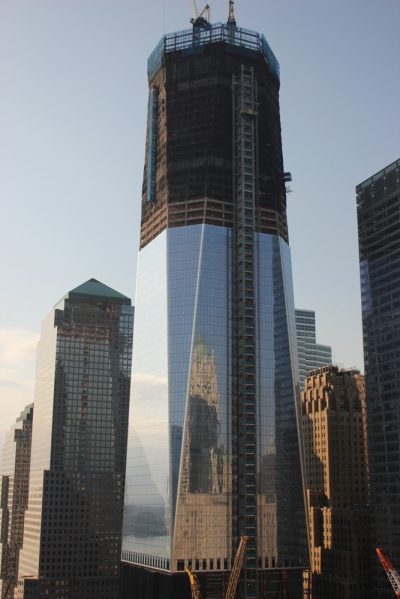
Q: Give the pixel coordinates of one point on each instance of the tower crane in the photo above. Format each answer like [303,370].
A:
[194,584]
[231,14]
[234,577]
[202,18]
[393,576]
[233,580]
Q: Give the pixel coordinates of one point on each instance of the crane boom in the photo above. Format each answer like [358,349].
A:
[233,580]
[194,8]
[393,576]
[202,18]
[194,584]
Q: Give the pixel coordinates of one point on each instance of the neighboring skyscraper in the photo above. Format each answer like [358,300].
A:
[213,448]
[378,209]
[14,497]
[72,533]
[337,483]
[311,354]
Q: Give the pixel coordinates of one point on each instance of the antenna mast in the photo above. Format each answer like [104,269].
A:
[231,16]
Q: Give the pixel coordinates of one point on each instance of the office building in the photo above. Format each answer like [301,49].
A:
[311,354]
[213,451]
[73,523]
[337,483]
[14,482]
[378,211]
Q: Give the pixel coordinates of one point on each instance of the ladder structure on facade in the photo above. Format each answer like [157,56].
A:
[393,576]
[245,153]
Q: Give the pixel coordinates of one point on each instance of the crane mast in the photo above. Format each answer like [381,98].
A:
[393,576]
[231,14]
[230,593]
[234,577]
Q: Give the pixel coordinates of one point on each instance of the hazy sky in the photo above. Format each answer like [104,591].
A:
[73,103]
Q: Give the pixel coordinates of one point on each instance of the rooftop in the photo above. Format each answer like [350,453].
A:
[193,40]
[95,289]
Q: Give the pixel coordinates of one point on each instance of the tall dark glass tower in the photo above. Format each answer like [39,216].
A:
[213,449]
[378,208]
[73,523]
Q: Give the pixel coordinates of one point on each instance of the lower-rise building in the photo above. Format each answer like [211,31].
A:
[337,483]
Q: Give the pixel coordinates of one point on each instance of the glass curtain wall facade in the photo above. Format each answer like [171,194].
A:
[16,459]
[213,446]
[378,211]
[72,535]
[311,354]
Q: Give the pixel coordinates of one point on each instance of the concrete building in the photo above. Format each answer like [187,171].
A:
[378,212]
[73,523]
[311,354]
[16,459]
[213,450]
[337,483]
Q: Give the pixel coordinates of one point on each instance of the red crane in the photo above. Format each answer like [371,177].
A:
[390,571]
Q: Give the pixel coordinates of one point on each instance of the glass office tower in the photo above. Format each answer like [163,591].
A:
[311,354]
[213,446]
[72,533]
[378,210]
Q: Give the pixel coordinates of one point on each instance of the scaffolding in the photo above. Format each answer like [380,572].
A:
[198,37]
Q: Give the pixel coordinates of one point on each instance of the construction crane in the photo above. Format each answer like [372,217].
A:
[231,14]
[194,584]
[237,566]
[234,577]
[202,18]
[390,571]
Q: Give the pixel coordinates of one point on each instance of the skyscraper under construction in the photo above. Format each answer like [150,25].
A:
[213,449]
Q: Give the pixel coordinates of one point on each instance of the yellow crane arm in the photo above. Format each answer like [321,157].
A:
[194,584]
[233,580]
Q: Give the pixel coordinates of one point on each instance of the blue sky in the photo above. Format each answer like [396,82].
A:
[73,118]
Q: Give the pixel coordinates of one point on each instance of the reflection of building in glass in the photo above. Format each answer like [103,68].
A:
[311,354]
[201,469]
[378,213]
[14,497]
[337,483]
[206,473]
[213,448]
[72,532]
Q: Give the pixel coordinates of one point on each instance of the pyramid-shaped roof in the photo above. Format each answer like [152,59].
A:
[93,288]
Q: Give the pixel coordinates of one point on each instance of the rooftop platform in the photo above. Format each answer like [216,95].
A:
[199,36]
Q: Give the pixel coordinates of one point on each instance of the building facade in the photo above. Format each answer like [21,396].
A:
[213,449]
[16,459]
[72,533]
[337,483]
[378,212]
[311,354]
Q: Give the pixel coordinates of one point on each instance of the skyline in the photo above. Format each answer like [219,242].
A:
[73,117]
